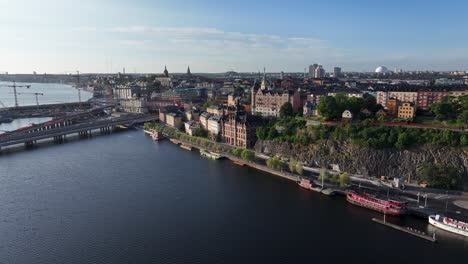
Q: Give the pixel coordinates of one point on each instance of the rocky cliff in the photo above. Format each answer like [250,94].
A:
[369,161]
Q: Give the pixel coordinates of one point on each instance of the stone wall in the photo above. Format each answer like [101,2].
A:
[369,161]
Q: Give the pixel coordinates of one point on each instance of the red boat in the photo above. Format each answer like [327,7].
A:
[157,136]
[387,206]
[305,184]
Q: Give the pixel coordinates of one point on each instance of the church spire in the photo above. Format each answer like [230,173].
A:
[188,71]
[166,73]
[263,86]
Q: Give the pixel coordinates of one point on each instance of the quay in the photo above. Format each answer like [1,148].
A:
[242,162]
[406,230]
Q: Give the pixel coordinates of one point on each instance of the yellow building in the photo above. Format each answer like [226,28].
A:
[406,111]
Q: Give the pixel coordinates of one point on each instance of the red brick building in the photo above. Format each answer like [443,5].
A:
[240,130]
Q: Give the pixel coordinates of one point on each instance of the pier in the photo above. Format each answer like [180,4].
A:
[407,230]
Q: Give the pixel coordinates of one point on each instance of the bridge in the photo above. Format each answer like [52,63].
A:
[59,133]
[45,110]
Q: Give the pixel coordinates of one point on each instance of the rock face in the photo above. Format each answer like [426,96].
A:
[369,161]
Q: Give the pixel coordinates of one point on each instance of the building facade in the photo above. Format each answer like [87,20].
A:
[406,111]
[269,103]
[240,130]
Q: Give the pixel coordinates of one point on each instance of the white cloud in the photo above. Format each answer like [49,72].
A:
[212,44]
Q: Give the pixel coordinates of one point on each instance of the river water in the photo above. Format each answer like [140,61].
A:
[123,198]
[54,93]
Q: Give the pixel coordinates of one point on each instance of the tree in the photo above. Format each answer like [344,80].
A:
[181,127]
[237,151]
[345,180]
[403,141]
[247,155]
[299,168]
[443,111]
[272,133]
[292,165]
[261,133]
[439,176]
[463,117]
[275,163]
[200,132]
[286,110]
[323,176]
[328,107]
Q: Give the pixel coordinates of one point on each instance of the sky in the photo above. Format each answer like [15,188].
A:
[63,36]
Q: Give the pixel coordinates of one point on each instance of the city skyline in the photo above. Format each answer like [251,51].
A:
[143,36]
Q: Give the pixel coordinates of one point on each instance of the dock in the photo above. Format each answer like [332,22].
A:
[186,147]
[407,230]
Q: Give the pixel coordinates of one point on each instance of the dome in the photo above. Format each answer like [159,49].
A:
[381,69]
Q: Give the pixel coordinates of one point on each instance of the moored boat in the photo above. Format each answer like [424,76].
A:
[210,154]
[157,136]
[387,206]
[305,183]
[449,224]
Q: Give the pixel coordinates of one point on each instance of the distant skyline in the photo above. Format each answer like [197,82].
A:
[215,36]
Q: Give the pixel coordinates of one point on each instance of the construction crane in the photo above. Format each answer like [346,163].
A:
[78,76]
[2,104]
[36,95]
[14,86]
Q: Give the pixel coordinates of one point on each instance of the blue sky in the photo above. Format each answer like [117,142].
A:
[215,36]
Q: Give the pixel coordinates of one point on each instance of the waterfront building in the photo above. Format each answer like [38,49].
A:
[406,111]
[240,129]
[190,127]
[214,126]
[173,119]
[204,120]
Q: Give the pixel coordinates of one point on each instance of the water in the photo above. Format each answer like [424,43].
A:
[123,198]
[22,122]
[53,93]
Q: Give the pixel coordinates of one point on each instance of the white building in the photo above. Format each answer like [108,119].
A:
[214,125]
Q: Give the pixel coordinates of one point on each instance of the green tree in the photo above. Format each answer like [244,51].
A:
[403,141]
[181,127]
[237,152]
[247,155]
[299,168]
[292,165]
[443,111]
[323,176]
[261,133]
[463,117]
[464,140]
[272,133]
[275,163]
[328,107]
[286,110]
[439,176]
[345,180]
[200,132]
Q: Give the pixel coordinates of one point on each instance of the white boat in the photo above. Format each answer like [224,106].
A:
[449,224]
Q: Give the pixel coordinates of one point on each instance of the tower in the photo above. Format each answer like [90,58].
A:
[264,85]
[188,71]
[166,73]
